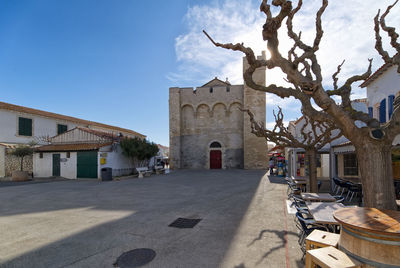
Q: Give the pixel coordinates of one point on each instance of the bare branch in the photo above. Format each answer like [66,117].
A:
[310,138]
[345,91]
[280,135]
[289,23]
[264,7]
[318,25]
[390,30]
[334,76]
[378,40]
[362,77]
[272,24]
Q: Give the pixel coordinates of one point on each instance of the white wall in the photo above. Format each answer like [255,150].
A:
[41,126]
[43,167]
[388,83]
[114,159]
[68,169]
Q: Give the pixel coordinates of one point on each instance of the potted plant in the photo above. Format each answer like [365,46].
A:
[21,151]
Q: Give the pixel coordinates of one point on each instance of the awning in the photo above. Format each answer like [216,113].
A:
[344,149]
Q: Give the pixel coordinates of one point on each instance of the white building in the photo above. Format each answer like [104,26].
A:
[383,87]
[21,125]
[81,153]
[334,159]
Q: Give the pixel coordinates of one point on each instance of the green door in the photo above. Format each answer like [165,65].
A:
[87,164]
[56,165]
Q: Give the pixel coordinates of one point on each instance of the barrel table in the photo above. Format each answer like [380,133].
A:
[370,235]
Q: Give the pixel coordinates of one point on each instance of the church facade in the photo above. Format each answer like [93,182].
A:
[208,131]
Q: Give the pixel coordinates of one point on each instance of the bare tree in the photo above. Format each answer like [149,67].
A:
[373,142]
[314,136]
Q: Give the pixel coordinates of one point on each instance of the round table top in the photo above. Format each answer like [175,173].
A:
[370,219]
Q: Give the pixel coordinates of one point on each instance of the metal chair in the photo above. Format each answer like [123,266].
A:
[307,226]
[354,189]
[337,186]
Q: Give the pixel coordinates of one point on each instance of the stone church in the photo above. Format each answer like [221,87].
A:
[207,129]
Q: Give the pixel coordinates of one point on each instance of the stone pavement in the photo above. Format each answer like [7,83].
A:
[86,223]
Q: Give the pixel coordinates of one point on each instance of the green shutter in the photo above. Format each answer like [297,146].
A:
[56,165]
[24,126]
[87,164]
[61,129]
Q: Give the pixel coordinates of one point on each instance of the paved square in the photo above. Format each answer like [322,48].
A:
[90,223]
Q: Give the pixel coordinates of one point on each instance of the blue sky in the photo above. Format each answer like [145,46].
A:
[114,61]
[104,61]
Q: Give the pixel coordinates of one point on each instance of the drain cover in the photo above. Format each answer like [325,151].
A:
[135,258]
[184,223]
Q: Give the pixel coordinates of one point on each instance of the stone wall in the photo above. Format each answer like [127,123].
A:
[202,116]
[13,163]
[255,148]
[174,128]
[211,113]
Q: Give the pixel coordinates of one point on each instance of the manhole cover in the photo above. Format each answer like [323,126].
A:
[184,223]
[135,258]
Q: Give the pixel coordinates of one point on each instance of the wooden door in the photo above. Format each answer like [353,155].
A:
[215,159]
[56,165]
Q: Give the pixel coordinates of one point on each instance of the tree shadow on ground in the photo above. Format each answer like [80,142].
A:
[279,234]
[150,205]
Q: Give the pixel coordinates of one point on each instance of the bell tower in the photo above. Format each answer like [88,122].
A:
[255,149]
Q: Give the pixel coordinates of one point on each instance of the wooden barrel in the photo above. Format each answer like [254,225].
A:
[370,235]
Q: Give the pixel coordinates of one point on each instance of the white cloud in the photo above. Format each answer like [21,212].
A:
[286,103]
[271,125]
[348,34]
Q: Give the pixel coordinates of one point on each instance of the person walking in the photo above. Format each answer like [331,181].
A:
[271,166]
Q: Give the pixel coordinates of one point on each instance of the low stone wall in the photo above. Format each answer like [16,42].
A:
[14,163]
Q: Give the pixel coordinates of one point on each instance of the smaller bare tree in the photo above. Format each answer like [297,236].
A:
[314,136]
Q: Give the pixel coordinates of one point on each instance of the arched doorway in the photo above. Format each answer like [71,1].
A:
[215,155]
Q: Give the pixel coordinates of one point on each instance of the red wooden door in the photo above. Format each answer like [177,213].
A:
[215,159]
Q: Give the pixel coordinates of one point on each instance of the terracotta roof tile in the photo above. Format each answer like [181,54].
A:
[22,109]
[71,147]
[377,73]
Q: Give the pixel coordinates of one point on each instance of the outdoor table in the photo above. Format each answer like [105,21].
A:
[370,235]
[322,212]
[318,197]
[300,182]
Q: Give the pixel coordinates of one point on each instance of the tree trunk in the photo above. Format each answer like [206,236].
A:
[22,163]
[375,166]
[312,185]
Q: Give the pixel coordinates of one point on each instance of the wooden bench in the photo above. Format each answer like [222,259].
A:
[321,239]
[159,169]
[143,171]
[329,257]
